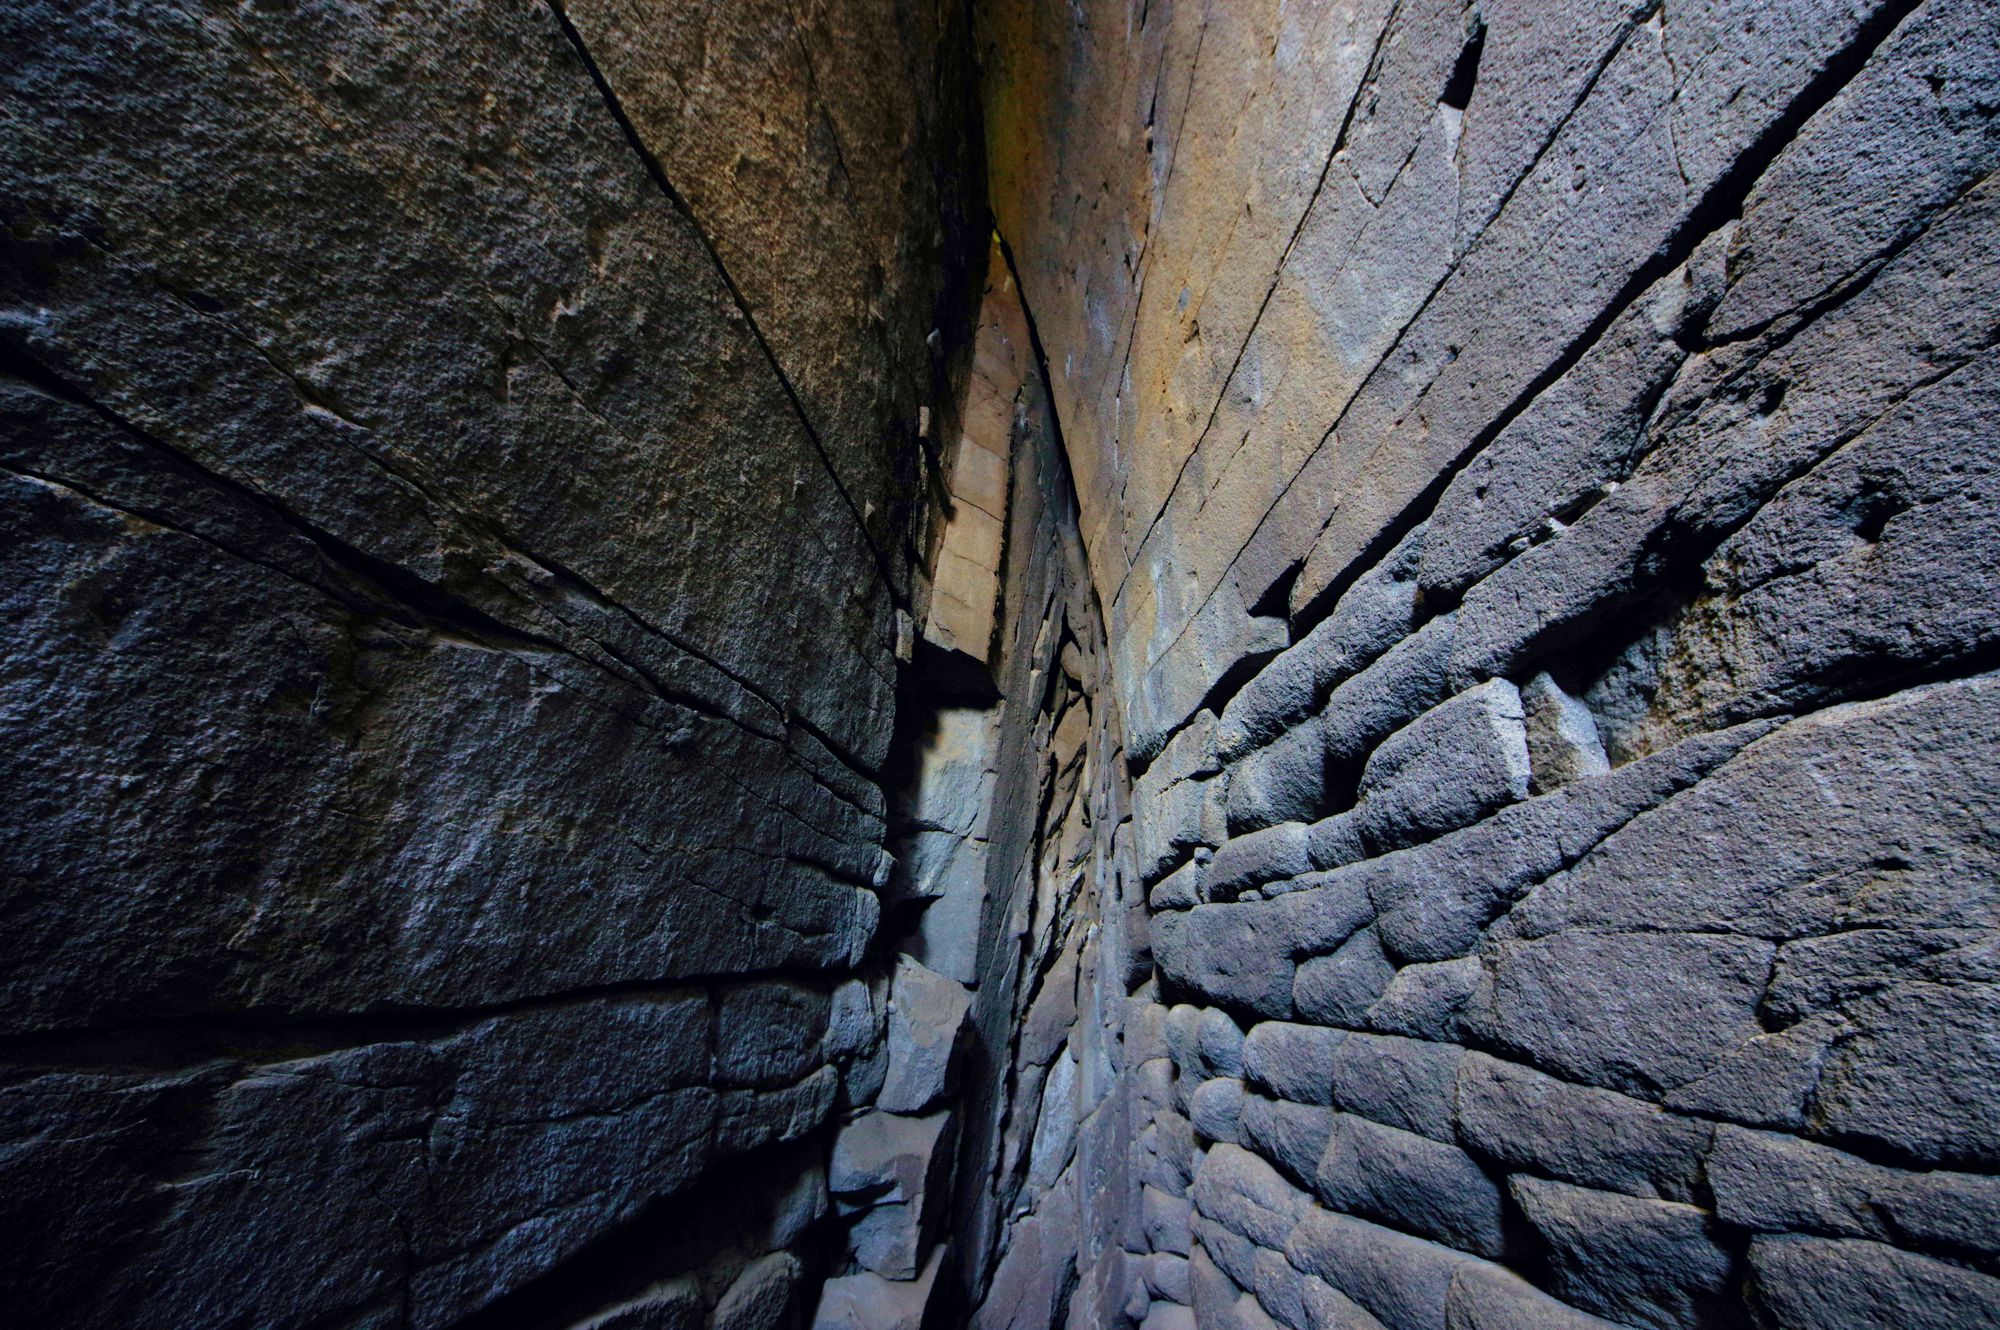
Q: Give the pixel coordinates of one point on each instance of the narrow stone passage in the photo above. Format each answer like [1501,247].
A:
[1110,664]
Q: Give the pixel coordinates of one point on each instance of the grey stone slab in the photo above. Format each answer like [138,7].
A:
[1400,1280]
[1166,1221]
[866,1301]
[1645,1262]
[886,1156]
[1616,1009]
[769,1033]
[1240,1191]
[1424,1001]
[1339,989]
[1291,1061]
[1376,611]
[1817,1284]
[763,1297]
[1407,1083]
[1772,1183]
[1488,1297]
[1594,1138]
[1411,1182]
[1450,767]
[1216,1109]
[1436,900]
[1257,857]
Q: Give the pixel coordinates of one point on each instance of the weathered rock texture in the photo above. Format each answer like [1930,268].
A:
[459,463]
[1537,465]
[1381,714]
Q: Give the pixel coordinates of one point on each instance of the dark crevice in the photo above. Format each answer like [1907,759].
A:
[253,1035]
[1458,88]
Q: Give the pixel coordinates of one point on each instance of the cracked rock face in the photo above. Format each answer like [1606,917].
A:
[1346,680]
[1536,465]
[452,556]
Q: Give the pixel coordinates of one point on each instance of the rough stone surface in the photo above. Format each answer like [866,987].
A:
[926,1013]
[1321,664]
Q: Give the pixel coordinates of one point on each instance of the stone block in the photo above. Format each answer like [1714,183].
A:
[1417,1184]
[1166,1221]
[674,1304]
[1285,780]
[1563,745]
[1452,766]
[1405,1083]
[947,933]
[854,1020]
[1771,1183]
[1257,857]
[1055,1124]
[1424,1001]
[763,1297]
[1590,1137]
[769,1033]
[1402,1281]
[1166,1275]
[1233,1255]
[926,1013]
[1182,889]
[1175,802]
[1247,1196]
[1339,989]
[1220,1041]
[1657,1263]
[1488,1297]
[1617,1009]
[867,1301]
[1292,1136]
[1805,1283]
[1216,1109]
[1376,612]
[888,1157]
[747,1119]
[1292,1061]
[1222,953]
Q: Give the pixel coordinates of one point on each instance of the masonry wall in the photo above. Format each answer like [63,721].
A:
[1537,464]
[459,465]
[1368,704]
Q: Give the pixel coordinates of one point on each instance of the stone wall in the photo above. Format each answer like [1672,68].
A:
[1537,464]
[1380,716]
[459,463]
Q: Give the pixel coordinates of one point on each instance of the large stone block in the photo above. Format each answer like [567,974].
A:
[1658,1263]
[1293,1062]
[1594,1138]
[1397,1177]
[1618,1010]
[926,1013]
[1804,1283]
[1400,1280]
[866,1301]
[1247,1196]
[1449,768]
